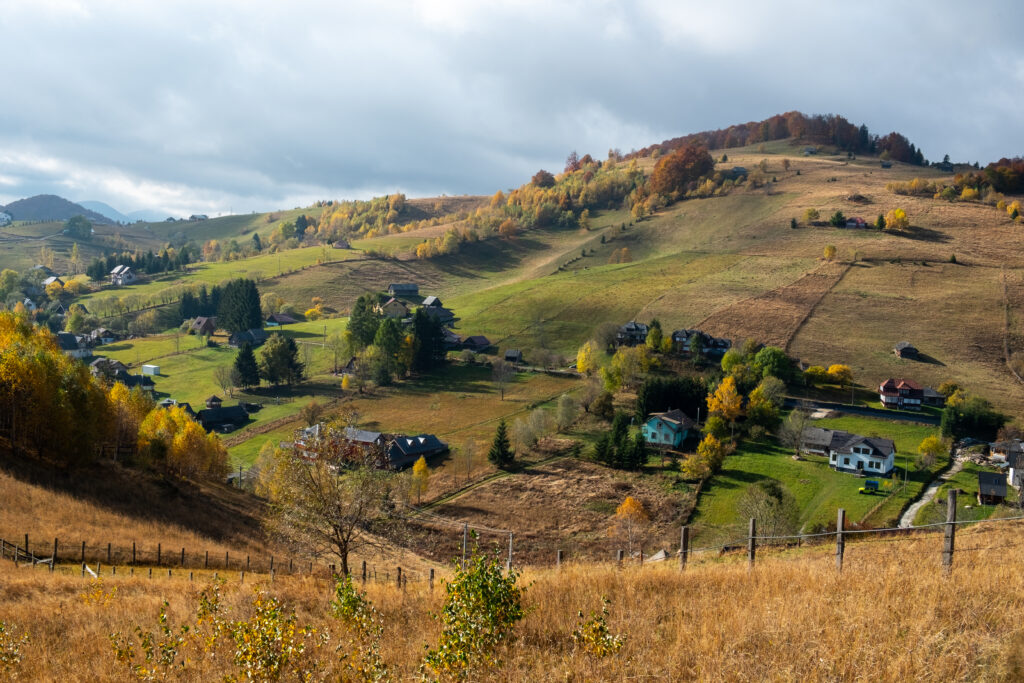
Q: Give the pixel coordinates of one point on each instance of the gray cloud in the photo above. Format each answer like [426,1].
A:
[211,107]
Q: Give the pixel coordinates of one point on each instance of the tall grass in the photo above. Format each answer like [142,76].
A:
[891,615]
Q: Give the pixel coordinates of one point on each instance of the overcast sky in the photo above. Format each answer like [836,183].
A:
[212,106]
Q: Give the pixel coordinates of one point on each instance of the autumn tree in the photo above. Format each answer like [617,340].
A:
[508,228]
[929,450]
[840,374]
[654,336]
[673,173]
[326,506]
[630,522]
[311,413]
[420,478]
[725,402]
[830,252]
[811,215]
[171,438]
[897,220]
[791,432]
[586,358]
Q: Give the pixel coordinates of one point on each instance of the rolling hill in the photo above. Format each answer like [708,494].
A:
[49,207]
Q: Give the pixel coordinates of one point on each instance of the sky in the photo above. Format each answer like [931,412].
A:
[214,106]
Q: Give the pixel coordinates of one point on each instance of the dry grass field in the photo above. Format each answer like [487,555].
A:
[890,615]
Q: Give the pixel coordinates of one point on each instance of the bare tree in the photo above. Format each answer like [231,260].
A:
[223,377]
[311,413]
[468,456]
[502,373]
[791,433]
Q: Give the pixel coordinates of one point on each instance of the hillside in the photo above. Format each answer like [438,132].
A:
[890,615]
[48,207]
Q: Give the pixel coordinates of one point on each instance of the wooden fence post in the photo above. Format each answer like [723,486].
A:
[206,562]
[950,532]
[840,539]
[364,571]
[289,565]
[684,546]
[558,558]
[182,557]
[641,556]
[271,564]
[618,556]
[83,552]
[159,552]
[398,576]
[508,565]
[431,579]
[53,560]
[752,542]
[27,551]
[226,559]
[133,553]
[246,563]
[108,552]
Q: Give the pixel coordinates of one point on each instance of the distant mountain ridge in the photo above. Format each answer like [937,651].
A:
[50,207]
[106,210]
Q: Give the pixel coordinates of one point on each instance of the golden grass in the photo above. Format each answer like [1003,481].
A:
[890,615]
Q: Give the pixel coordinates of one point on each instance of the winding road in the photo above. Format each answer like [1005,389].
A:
[908,517]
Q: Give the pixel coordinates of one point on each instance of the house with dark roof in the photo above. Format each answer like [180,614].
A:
[683,341]
[902,394]
[106,368]
[668,429]
[868,455]
[102,335]
[856,222]
[905,349]
[403,289]
[631,334]
[142,382]
[450,340]
[52,279]
[433,302]
[991,488]
[222,419]
[514,356]
[278,319]
[476,342]
[440,314]
[341,244]
[170,403]
[254,337]
[71,345]
[214,401]
[203,325]
[1014,456]
[403,451]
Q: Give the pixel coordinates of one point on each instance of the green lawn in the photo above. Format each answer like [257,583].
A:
[819,491]
[967,502]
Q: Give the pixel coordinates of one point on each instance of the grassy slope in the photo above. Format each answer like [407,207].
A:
[966,480]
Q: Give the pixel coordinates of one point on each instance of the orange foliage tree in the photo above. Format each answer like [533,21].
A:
[680,168]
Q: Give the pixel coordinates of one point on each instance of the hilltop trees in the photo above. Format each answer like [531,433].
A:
[239,309]
[78,228]
[673,173]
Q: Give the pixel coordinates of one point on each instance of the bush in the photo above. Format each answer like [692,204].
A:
[482,605]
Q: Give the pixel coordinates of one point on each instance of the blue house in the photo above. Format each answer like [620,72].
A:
[667,430]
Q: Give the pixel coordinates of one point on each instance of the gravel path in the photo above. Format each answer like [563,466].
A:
[908,517]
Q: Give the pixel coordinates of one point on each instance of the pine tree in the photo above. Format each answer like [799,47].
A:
[363,322]
[603,450]
[245,364]
[501,454]
[239,307]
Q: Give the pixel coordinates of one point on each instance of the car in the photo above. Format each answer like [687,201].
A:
[870,487]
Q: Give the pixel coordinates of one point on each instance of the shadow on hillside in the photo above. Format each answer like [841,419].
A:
[213,510]
[923,234]
[930,360]
[492,256]
[737,475]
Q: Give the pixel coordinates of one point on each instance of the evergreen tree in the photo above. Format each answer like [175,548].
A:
[638,453]
[429,341]
[389,340]
[501,454]
[363,322]
[603,450]
[238,308]
[245,364]
[279,361]
[257,244]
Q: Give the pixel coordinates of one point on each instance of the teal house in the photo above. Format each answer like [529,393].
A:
[667,430]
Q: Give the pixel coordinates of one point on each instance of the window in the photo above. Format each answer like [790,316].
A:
[846,461]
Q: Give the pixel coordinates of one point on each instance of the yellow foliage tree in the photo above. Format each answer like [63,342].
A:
[840,374]
[929,451]
[830,252]
[171,437]
[420,478]
[630,520]
[726,401]
[586,358]
[54,290]
[897,220]
[346,382]
[712,451]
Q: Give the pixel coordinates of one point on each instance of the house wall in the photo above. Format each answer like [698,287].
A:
[660,433]
[837,460]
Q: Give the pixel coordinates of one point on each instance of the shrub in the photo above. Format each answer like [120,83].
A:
[482,605]
[594,636]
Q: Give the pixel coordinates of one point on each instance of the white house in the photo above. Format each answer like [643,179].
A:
[122,275]
[869,455]
[71,345]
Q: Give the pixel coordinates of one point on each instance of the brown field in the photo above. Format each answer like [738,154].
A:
[564,504]
[890,615]
[775,316]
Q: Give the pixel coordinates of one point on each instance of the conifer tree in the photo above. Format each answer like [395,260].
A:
[245,364]
[501,454]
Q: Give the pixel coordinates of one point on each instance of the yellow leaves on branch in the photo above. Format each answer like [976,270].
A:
[840,374]
[173,436]
[726,401]
[420,478]
[830,252]
[586,358]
